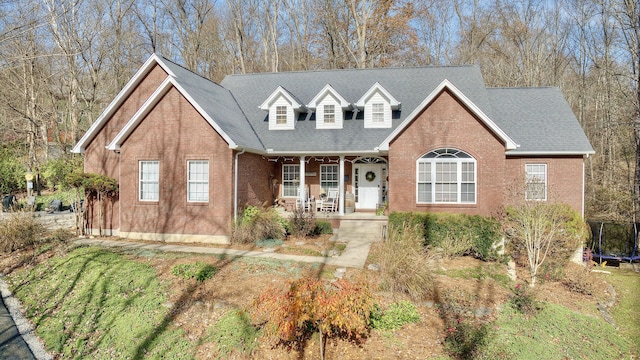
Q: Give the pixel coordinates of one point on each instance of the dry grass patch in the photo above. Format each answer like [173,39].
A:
[405,266]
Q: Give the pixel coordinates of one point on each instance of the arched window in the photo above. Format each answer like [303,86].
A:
[446,176]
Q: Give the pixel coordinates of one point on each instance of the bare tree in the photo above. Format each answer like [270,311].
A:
[536,227]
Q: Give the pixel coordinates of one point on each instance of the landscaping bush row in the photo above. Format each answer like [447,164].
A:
[266,224]
[454,234]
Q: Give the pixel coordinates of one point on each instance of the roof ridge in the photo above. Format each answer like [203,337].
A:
[192,72]
[522,87]
[354,69]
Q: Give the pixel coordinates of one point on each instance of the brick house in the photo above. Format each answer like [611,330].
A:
[189,154]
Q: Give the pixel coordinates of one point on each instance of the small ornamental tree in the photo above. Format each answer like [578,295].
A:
[538,229]
[92,186]
[340,309]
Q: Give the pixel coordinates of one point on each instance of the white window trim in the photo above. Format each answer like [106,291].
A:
[331,107]
[279,115]
[290,181]
[545,181]
[148,181]
[190,182]
[323,170]
[459,181]
[374,112]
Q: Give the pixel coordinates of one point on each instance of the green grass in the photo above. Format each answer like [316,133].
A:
[554,333]
[199,270]
[67,197]
[490,271]
[95,303]
[233,333]
[626,312]
[398,314]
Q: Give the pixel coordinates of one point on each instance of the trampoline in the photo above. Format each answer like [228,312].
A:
[612,241]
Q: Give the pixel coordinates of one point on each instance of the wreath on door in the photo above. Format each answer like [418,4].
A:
[370,176]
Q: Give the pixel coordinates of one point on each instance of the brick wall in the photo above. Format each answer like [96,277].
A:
[99,160]
[254,181]
[446,123]
[173,133]
[564,174]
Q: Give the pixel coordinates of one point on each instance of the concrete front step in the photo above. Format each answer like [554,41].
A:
[361,229]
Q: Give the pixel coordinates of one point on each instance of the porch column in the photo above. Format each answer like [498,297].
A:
[341,187]
[302,189]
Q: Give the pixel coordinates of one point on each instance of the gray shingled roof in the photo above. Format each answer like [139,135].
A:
[219,104]
[539,119]
[409,85]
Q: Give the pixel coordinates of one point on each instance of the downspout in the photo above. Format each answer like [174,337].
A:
[119,203]
[235,196]
[584,181]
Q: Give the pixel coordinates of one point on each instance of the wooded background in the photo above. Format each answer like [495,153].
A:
[62,61]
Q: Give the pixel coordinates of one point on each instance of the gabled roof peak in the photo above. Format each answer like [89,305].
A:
[395,104]
[281,91]
[447,85]
[328,89]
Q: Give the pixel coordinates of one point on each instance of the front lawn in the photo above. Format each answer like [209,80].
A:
[97,303]
[89,302]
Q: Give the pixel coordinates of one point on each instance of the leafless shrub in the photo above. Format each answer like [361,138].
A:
[579,279]
[405,266]
[257,224]
[19,230]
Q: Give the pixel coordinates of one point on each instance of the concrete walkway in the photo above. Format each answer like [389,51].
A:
[353,256]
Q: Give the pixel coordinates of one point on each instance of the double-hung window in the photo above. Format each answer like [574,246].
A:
[290,180]
[328,177]
[281,115]
[377,112]
[446,176]
[197,180]
[149,180]
[536,182]
[329,114]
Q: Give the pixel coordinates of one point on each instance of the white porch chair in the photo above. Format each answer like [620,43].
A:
[331,202]
[307,203]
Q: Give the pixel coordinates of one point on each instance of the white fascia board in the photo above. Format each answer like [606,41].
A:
[446,84]
[149,105]
[395,104]
[117,102]
[281,91]
[325,90]
[126,130]
[549,153]
[325,153]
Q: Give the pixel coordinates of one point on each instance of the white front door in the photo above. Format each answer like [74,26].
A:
[368,185]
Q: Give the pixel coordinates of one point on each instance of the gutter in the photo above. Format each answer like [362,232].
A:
[235,196]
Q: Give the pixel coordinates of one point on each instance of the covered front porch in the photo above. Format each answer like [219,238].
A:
[330,185]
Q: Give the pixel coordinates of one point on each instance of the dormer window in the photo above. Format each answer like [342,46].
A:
[377,112]
[329,107]
[329,114]
[281,115]
[378,105]
[283,109]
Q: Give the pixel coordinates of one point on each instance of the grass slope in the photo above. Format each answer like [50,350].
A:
[627,311]
[95,303]
[554,333]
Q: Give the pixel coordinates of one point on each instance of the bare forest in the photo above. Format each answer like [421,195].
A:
[62,61]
